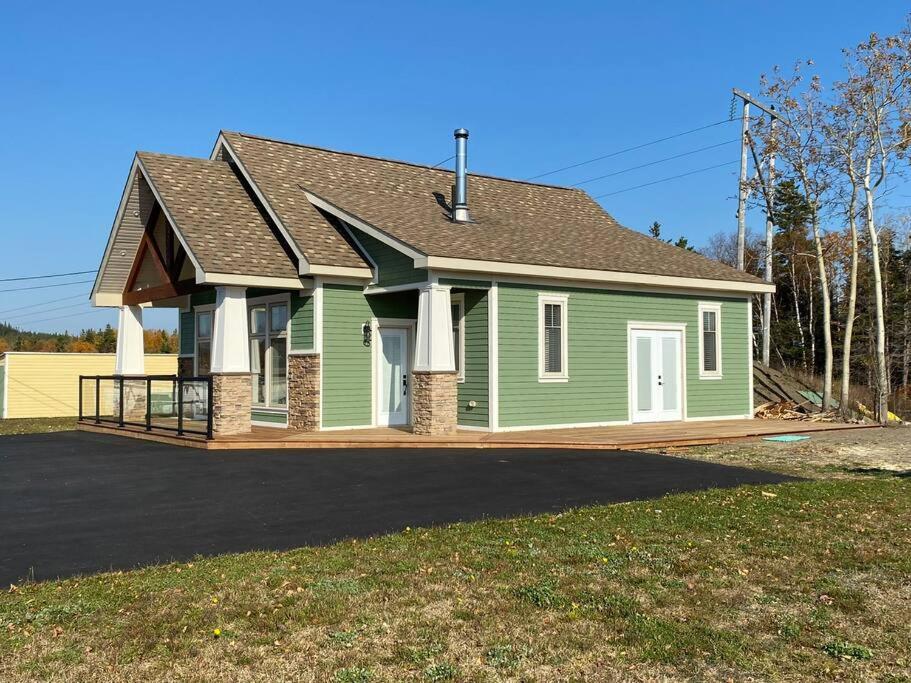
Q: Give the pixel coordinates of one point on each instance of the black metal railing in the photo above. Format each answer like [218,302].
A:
[153,402]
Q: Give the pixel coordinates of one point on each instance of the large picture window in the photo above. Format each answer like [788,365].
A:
[709,341]
[552,338]
[269,354]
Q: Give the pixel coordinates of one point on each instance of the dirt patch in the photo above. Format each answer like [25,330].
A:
[838,454]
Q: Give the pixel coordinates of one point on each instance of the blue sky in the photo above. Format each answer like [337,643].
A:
[539,85]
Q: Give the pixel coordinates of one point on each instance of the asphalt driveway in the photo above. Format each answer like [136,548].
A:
[74,502]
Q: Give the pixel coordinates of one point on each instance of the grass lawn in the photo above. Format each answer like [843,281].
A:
[36,425]
[808,580]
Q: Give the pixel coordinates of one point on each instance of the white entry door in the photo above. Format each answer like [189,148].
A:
[656,389]
[392,380]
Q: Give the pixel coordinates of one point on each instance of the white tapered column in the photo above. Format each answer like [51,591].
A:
[230,352]
[231,390]
[434,387]
[434,352]
[130,342]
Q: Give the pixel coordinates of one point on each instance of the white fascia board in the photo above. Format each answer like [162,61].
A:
[106,300]
[342,271]
[251,281]
[499,268]
[222,142]
[167,213]
[121,208]
[374,232]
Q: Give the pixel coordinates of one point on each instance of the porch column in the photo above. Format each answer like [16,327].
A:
[130,360]
[130,342]
[434,401]
[231,388]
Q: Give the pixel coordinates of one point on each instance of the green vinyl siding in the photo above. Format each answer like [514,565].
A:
[301,322]
[475,385]
[347,364]
[597,360]
[187,332]
[394,267]
[270,417]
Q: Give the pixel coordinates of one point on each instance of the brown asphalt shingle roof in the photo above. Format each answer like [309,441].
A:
[223,226]
[513,221]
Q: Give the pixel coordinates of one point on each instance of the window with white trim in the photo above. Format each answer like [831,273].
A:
[552,338]
[710,341]
[458,333]
[269,353]
[203,341]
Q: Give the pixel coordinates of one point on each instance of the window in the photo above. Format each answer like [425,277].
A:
[458,334]
[552,338]
[203,342]
[709,341]
[269,354]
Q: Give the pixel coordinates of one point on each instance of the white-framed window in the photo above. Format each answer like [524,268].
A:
[710,340]
[553,341]
[268,325]
[457,302]
[203,344]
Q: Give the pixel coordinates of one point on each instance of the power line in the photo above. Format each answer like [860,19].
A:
[43,303]
[59,284]
[47,310]
[440,163]
[652,163]
[68,315]
[43,277]
[664,180]
[631,149]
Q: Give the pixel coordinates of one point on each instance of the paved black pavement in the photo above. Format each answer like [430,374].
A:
[75,502]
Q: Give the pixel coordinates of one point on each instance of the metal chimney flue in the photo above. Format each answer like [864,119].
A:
[460,195]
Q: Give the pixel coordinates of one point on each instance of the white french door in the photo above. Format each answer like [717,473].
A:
[656,377]
[392,377]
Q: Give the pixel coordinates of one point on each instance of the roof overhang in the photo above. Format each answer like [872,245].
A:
[494,268]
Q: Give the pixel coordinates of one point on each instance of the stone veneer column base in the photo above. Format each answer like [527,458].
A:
[134,400]
[434,402]
[303,391]
[185,366]
[231,403]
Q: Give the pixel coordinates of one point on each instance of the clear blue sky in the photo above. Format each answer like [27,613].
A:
[539,85]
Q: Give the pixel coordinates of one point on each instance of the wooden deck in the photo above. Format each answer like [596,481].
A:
[625,437]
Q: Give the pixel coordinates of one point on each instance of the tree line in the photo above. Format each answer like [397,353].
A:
[840,247]
[102,340]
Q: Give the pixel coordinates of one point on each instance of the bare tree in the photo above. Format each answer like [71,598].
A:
[878,85]
[800,144]
[843,133]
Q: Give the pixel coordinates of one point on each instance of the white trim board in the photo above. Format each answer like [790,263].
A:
[711,307]
[493,356]
[499,268]
[252,281]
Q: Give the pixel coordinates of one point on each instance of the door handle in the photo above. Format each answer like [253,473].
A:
[404,384]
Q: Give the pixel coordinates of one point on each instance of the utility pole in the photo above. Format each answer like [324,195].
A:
[742,195]
[768,189]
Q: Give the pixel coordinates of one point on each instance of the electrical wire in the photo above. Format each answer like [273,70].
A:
[633,148]
[69,315]
[440,163]
[44,277]
[59,284]
[47,310]
[664,180]
[43,303]
[652,163]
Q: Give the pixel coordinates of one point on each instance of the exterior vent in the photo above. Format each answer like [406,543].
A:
[460,193]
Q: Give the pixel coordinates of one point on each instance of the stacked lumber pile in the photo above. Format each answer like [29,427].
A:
[780,397]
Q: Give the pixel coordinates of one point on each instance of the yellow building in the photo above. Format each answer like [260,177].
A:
[47,384]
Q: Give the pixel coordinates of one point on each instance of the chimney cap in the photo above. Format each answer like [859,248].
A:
[461,133]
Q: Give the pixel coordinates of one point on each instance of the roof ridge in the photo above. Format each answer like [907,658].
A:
[398,161]
[177,156]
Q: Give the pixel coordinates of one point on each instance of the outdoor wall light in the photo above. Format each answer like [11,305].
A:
[367,330]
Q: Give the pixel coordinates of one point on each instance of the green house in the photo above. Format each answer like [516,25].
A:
[327,290]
